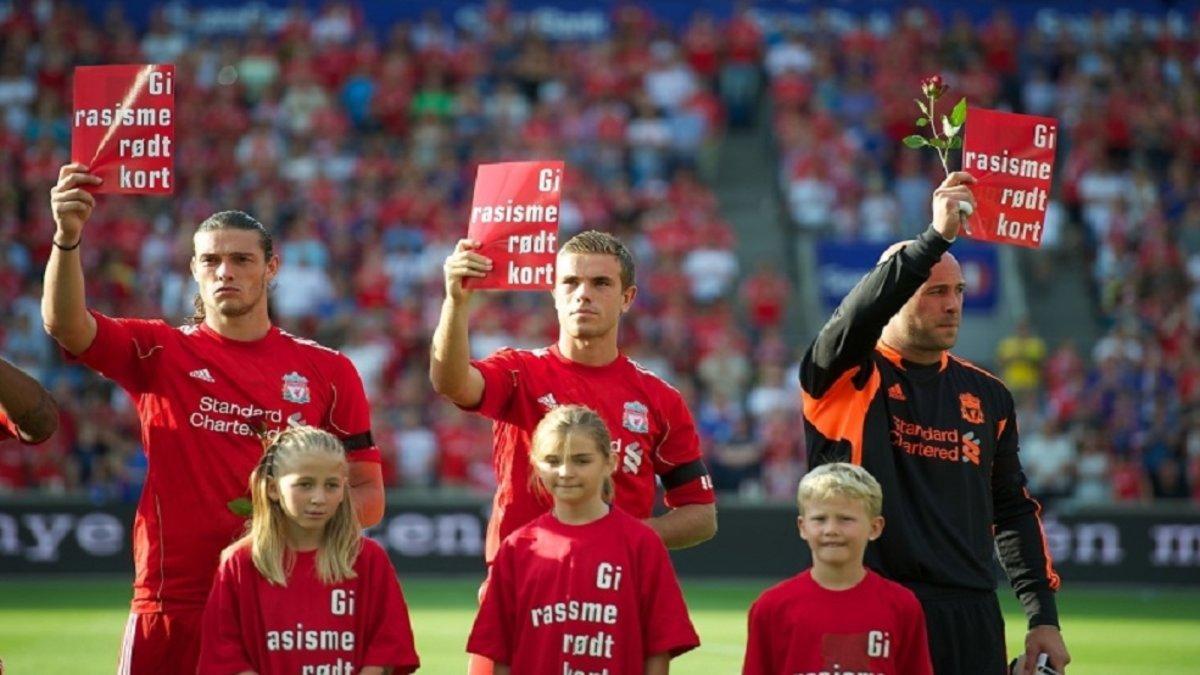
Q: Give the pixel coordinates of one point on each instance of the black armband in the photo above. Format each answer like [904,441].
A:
[684,474]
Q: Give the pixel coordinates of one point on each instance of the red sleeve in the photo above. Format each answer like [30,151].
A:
[914,646]
[221,649]
[758,641]
[350,414]
[491,636]
[668,629]
[389,637]
[501,379]
[677,459]
[125,350]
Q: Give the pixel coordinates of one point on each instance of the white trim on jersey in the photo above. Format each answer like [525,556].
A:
[643,369]
[145,355]
[125,658]
[162,545]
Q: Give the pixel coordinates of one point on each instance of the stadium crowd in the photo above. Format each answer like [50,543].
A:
[357,144]
[1121,423]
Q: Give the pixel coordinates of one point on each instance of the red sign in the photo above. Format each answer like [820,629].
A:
[514,216]
[1011,157]
[123,127]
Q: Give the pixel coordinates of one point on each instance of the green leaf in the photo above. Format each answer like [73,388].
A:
[240,506]
[956,143]
[922,106]
[922,121]
[958,116]
[939,143]
[915,141]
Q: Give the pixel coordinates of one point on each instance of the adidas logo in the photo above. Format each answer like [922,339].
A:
[202,374]
[896,393]
[548,401]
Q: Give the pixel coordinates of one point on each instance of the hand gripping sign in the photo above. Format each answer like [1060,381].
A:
[514,216]
[123,127]
[1011,157]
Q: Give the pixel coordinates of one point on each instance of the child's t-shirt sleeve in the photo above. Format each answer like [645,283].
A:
[758,641]
[492,634]
[221,640]
[914,648]
[668,629]
[387,630]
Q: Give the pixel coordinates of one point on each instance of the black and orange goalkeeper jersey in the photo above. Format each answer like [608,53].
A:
[941,439]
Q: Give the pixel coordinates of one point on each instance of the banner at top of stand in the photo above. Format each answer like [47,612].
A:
[591,19]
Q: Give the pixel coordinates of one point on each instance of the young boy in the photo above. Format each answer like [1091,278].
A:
[838,616]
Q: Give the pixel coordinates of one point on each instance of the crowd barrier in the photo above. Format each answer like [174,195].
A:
[1158,544]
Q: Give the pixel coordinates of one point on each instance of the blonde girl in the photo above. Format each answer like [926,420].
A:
[584,587]
[304,591]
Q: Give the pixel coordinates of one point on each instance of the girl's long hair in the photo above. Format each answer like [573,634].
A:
[560,423]
[266,534]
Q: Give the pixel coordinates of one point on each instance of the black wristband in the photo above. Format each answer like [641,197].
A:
[72,247]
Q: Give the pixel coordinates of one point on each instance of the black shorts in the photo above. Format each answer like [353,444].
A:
[966,631]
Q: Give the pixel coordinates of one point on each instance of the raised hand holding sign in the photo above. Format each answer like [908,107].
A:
[123,127]
[514,219]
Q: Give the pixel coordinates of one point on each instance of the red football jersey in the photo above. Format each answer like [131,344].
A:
[252,624]
[199,397]
[799,628]
[651,427]
[600,597]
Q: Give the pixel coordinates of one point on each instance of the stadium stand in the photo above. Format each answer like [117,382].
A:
[357,143]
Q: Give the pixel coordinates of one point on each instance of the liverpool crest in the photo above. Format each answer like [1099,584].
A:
[636,418]
[295,388]
[971,408]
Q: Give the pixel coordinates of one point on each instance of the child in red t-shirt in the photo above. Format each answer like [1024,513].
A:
[585,587]
[838,616]
[304,591]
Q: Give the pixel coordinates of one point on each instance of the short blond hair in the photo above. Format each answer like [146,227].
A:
[603,243]
[841,479]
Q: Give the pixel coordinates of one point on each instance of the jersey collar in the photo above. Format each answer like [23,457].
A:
[214,335]
[896,360]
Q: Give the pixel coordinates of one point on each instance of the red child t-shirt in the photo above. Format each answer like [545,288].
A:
[306,626]
[201,398]
[652,430]
[798,627]
[600,597]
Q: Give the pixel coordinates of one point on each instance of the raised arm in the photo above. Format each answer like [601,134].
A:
[450,368]
[855,326]
[64,307]
[26,403]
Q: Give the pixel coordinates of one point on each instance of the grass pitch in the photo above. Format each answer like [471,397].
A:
[74,626]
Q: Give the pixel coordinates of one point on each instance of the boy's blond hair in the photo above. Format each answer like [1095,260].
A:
[841,479]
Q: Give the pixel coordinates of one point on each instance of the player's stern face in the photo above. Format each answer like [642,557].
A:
[837,529]
[932,316]
[574,473]
[588,294]
[231,271]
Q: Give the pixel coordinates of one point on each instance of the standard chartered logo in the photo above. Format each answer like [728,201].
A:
[225,417]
